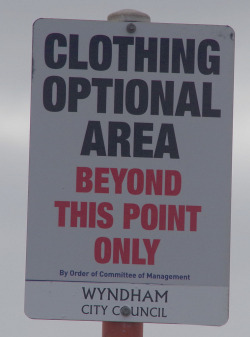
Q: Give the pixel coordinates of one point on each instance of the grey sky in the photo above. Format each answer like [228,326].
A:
[16,19]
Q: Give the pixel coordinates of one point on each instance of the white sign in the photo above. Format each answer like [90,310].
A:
[130,172]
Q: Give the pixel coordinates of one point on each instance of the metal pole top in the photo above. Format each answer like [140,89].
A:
[129,15]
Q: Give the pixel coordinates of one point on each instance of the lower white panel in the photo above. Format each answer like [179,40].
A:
[146,302]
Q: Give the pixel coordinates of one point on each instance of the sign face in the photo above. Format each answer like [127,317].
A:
[130,172]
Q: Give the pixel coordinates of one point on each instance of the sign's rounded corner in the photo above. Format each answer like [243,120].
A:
[224,321]
[37,22]
[231,32]
[27,313]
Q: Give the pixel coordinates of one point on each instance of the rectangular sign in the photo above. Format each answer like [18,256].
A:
[130,172]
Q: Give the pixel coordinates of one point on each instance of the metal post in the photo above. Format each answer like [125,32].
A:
[125,329]
[129,15]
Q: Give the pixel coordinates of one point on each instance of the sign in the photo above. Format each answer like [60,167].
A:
[130,172]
